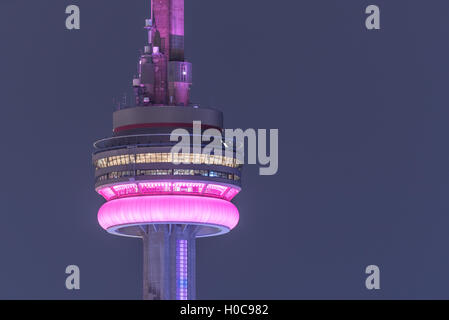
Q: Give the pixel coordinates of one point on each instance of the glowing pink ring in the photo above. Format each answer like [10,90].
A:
[168,209]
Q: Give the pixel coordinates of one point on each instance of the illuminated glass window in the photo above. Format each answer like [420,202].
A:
[125,189]
[166,158]
[196,159]
[215,189]
[140,158]
[231,194]
[168,172]
[187,187]
[155,187]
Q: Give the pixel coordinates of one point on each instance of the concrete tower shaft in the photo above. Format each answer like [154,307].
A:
[169,262]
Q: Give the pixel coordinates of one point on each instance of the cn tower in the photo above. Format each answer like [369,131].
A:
[148,194]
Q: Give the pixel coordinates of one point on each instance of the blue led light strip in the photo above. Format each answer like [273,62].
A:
[181,270]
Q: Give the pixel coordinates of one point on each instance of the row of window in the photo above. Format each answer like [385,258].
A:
[187,158]
[168,172]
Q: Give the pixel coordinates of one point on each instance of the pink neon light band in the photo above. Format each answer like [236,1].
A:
[168,209]
[168,188]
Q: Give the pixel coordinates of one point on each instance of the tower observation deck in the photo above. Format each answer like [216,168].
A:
[149,194]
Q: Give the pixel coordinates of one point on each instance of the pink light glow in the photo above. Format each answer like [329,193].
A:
[167,188]
[216,189]
[187,187]
[125,189]
[168,209]
[155,187]
[231,194]
[107,193]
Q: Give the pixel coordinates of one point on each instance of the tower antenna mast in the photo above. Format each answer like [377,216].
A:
[151,9]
